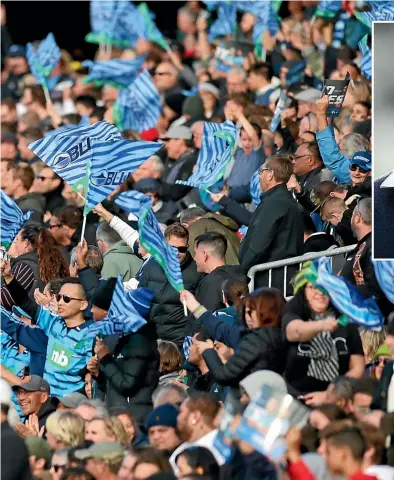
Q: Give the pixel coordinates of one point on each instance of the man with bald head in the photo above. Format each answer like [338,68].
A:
[68,350]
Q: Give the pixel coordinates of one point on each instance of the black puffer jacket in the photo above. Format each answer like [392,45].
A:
[167,309]
[132,372]
[260,349]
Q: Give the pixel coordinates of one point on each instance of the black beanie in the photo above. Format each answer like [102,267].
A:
[102,295]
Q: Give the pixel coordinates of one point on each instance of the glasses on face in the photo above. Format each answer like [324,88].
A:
[66,298]
[354,167]
[381,361]
[58,467]
[160,74]
[261,170]
[182,249]
[57,225]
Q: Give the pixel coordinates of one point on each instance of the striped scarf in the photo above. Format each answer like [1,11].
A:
[339,29]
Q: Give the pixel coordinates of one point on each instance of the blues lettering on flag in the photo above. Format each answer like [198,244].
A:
[139,105]
[127,313]
[12,219]
[116,72]
[44,59]
[111,165]
[216,151]
[151,237]
[69,152]
[347,298]
[384,272]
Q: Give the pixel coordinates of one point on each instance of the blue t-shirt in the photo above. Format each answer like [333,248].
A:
[68,352]
[245,166]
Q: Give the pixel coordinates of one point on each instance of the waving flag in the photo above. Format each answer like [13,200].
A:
[266,19]
[384,272]
[43,60]
[151,237]
[116,72]
[126,314]
[139,105]
[283,103]
[151,32]
[226,23]
[255,188]
[69,152]
[12,219]
[382,11]
[366,63]
[217,147]
[84,122]
[328,9]
[112,163]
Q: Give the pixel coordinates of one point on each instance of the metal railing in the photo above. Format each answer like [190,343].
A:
[263,267]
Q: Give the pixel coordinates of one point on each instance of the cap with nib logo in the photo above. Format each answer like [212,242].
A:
[33,383]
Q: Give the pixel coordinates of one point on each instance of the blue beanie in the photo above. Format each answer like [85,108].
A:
[165,415]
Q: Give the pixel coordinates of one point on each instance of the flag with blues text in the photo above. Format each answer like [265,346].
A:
[116,72]
[112,163]
[384,272]
[44,59]
[151,237]
[216,152]
[69,152]
[347,298]
[226,23]
[139,104]
[127,313]
[12,219]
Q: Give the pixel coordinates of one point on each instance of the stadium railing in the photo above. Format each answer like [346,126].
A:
[337,256]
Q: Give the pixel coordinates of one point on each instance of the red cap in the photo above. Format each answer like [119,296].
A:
[150,135]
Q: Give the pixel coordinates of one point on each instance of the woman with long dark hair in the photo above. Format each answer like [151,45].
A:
[260,347]
[36,260]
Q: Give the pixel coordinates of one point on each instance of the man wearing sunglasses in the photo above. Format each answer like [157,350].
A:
[68,350]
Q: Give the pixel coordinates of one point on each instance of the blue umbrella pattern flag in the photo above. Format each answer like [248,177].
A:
[127,313]
[12,219]
[139,105]
[216,152]
[43,60]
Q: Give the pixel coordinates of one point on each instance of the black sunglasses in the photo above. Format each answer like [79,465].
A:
[354,167]
[182,249]
[66,298]
[58,467]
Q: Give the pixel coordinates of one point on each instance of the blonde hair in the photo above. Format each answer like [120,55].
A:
[360,91]
[371,341]
[66,427]
[113,428]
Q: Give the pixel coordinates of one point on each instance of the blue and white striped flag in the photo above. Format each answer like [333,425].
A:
[69,152]
[216,151]
[282,104]
[266,19]
[347,298]
[384,272]
[12,219]
[139,105]
[151,237]
[187,342]
[43,60]
[328,9]
[116,72]
[255,188]
[366,62]
[112,163]
[126,314]
[226,23]
[150,31]
[382,11]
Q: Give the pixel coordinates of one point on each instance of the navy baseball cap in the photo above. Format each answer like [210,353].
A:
[362,159]
[165,415]
[16,51]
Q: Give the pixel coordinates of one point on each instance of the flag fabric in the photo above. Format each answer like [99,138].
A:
[283,103]
[111,165]
[216,151]
[12,219]
[84,122]
[296,72]
[126,314]
[366,62]
[69,152]
[382,11]
[43,60]
[266,19]
[384,272]
[255,188]
[139,105]
[346,297]
[225,24]
[118,73]
[151,32]
[328,9]
[151,237]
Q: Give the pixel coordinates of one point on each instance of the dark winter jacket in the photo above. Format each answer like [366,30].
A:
[308,182]
[167,310]
[132,372]
[34,202]
[212,222]
[12,468]
[384,228]
[236,211]
[184,168]
[319,242]
[54,199]
[276,232]
[260,349]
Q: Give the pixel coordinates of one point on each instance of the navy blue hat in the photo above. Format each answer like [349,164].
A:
[16,51]
[147,185]
[165,415]
[363,160]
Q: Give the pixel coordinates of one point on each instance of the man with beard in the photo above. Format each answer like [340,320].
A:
[195,425]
